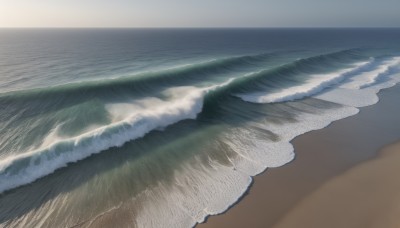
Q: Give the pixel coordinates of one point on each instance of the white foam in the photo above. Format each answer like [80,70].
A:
[199,192]
[254,154]
[350,97]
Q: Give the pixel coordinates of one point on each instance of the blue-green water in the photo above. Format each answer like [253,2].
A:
[163,127]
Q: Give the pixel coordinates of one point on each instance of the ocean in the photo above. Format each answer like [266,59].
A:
[164,127]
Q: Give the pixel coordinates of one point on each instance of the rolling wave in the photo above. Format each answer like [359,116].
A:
[27,167]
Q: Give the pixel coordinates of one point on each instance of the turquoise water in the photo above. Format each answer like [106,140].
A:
[161,128]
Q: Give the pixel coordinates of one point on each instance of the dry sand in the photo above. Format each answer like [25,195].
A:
[366,196]
[290,193]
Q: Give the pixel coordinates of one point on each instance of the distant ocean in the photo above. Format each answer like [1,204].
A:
[163,127]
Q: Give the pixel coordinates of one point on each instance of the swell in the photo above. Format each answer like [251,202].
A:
[185,73]
[23,105]
[199,72]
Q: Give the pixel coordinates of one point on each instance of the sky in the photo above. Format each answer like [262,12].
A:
[199,13]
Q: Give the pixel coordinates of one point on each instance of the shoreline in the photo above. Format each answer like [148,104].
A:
[320,156]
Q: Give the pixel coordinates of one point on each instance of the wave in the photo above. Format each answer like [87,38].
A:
[383,70]
[316,84]
[25,168]
[171,76]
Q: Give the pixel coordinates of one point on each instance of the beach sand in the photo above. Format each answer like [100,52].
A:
[329,183]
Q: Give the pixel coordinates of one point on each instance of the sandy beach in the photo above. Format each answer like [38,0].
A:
[341,177]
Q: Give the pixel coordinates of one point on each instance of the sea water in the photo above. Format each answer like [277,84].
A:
[164,127]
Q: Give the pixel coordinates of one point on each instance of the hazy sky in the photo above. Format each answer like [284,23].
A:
[199,13]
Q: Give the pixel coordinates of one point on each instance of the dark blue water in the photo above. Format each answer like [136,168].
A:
[162,127]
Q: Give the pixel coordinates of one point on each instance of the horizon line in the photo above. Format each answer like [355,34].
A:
[200,27]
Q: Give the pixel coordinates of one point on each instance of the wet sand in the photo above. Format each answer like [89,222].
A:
[281,195]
